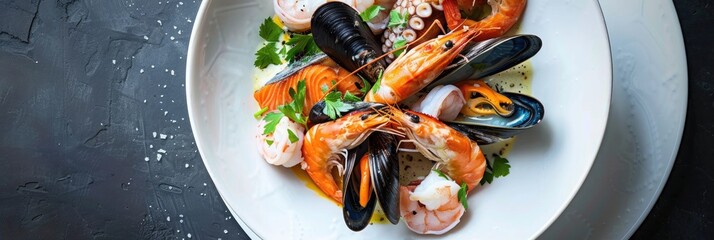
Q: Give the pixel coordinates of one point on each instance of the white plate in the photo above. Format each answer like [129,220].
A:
[647,114]
[571,76]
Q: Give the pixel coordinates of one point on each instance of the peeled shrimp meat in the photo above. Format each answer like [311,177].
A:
[442,102]
[296,14]
[276,148]
[433,206]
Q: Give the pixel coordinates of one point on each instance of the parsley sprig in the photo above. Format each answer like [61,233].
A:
[371,12]
[496,169]
[302,45]
[268,54]
[398,20]
[463,191]
[335,103]
[292,110]
[398,43]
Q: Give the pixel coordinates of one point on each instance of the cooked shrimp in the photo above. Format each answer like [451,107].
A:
[296,14]
[462,158]
[442,102]
[277,148]
[323,142]
[504,14]
[416,68]
[432,207]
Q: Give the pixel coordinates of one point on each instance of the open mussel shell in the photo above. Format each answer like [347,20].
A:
[490,57]
[356,217]
[317,112]
[340,33]
[493,128]
[384,173]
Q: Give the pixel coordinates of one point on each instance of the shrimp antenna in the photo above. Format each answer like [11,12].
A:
[436,23]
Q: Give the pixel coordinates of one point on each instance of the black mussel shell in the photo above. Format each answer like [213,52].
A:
[340,33]
[356,217]
[384,171]
[489,57]
[317,114]
[490,129]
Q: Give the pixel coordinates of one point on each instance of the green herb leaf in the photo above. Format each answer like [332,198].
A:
[501,168]
[349,97]
[291,135]
[293,110]
[266,56]
[259,113]
[441,174]
[333,105]
[375,88]
[366,86]
[370,12]
[324,88]
[487,177]
[398,43]
[462,195]
[272,119]
[270,31]
[301,43]
[269,142]
[398,20]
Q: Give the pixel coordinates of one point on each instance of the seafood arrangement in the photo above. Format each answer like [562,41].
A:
[356,83]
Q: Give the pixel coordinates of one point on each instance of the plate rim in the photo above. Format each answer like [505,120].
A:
[601,136]
[190,71]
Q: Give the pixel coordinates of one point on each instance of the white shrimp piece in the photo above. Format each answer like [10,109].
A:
[443,102]
[281,151]
[432,207]
[296,14]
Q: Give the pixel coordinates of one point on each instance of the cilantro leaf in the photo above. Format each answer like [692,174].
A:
[462,195]
[375,88]
[301,44]
[269,142]
[398,20]
[441,174]
[324,88]
[272,119]
[270,31]
[259,113]
[398,43]
[370,12]
[266,56]
[367,86]
[291,135]
[501,168]
[349,97]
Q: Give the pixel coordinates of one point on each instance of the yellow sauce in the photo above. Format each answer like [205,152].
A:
[302,175]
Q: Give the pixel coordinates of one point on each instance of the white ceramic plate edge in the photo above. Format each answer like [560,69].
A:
[601,131]
[680,128]
[191,61]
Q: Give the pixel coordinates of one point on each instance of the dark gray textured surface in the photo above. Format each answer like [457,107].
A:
[75,130]
[83,87]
